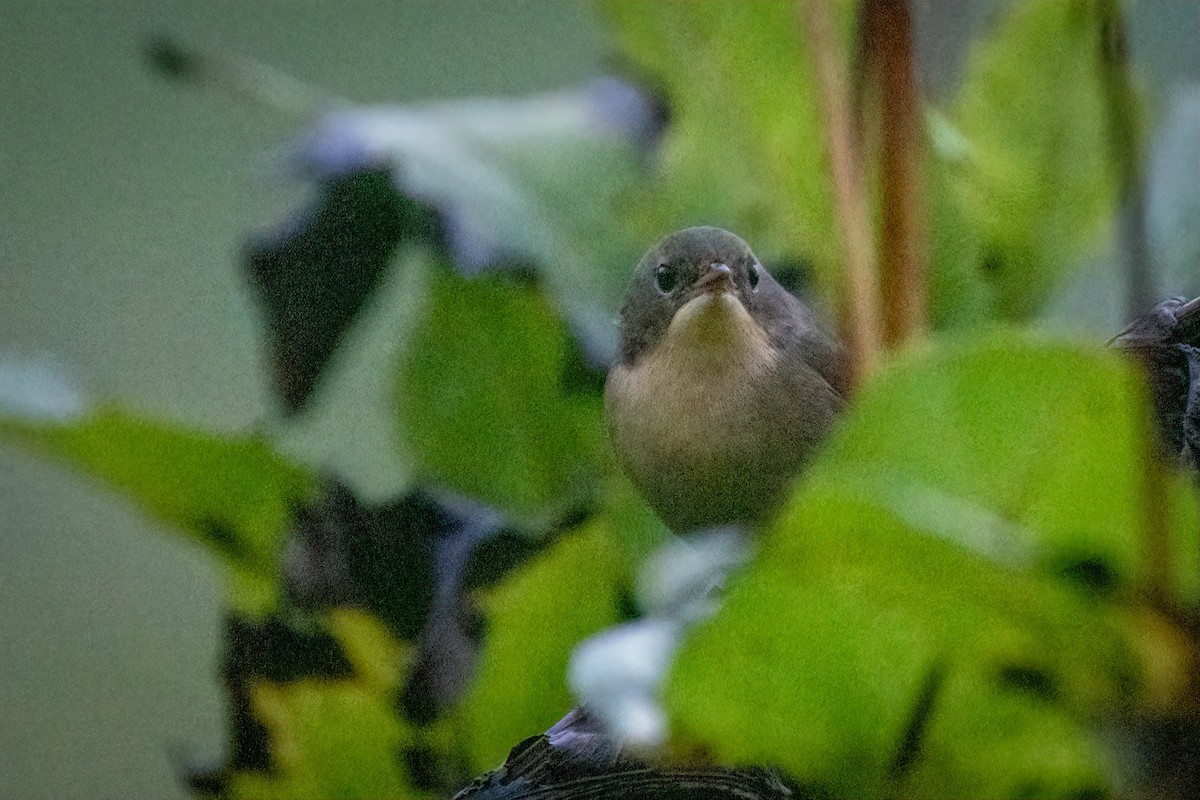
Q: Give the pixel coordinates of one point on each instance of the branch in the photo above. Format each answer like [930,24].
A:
[261,85]
[887,58]
[860,297]
[1125,151]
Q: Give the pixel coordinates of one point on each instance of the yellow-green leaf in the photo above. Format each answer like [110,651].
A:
[535,619]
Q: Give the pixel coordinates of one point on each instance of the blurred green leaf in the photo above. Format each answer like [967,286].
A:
[335,738]
[1043,439]
[330,740]
[636,529]
[819,655]
[987,740]
[1024,188]
[744,148]
[1038,186]
[373,652]
[235,496]
[960,292]
[482,408]
[535,619]
[933,535]
[536,182]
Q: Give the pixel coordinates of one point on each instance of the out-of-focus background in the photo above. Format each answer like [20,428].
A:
[125,201]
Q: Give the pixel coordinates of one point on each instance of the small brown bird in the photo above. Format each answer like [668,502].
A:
[724,385]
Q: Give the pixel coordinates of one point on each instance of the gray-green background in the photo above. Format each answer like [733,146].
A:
[123,202]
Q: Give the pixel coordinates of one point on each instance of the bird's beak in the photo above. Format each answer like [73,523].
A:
[718,278]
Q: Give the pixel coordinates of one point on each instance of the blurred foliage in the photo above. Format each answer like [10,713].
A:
[947,606]
[744,150]
[949,543]
[1039,183]
[482,405]
[235,496]
[334,738]
[522,685]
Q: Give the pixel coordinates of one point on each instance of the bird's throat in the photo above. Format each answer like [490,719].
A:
[714,327]
[713,320]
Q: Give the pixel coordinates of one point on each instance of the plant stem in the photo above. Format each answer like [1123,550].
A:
[886,33]
[260,84]
[860,297]
[1125,152]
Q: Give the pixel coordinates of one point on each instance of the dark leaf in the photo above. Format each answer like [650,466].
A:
[311,710]
[414,563]
[381,559]
[271,650]
[333,738]
[489,184]
[314,275]
[478,553]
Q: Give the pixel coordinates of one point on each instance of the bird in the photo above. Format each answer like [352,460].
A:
[724,385]
[723,388]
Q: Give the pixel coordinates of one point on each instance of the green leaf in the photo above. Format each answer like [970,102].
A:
[329,739]
[335,738]
[817,659]
[234,495]
[932,537]
[960,291]
[744,149]
[535,619]
[481,405]
[537,182]
[1039,186]
[989,741]
[1044,439]
[373,652]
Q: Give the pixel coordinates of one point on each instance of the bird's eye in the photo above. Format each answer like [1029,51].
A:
[752,273]
[666,278]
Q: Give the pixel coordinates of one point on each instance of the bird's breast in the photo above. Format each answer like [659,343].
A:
[685,395]
[690,420]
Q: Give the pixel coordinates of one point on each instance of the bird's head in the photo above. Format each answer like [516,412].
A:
[703,282]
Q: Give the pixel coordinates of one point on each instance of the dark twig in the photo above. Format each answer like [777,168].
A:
[1125,151]
[887,53]
[258,83]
